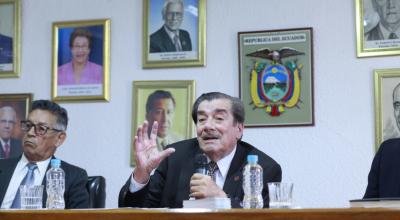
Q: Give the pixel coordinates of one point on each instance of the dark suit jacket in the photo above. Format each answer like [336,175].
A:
[75,195]
[15,148]
[6,49]
[169,185]
[374,34]
[161,42]
[384,177]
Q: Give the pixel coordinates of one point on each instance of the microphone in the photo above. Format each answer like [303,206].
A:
[201,164]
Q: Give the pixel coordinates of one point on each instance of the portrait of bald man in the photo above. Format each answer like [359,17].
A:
[9,147]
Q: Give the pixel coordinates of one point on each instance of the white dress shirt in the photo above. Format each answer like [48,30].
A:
[19,173]
[387,32]
[223,167]
[172,35]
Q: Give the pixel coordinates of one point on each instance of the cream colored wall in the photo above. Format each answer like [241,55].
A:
[328,162]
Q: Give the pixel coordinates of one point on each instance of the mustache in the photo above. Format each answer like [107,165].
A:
[209,136]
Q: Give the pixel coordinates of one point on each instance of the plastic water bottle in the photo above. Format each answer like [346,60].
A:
[252,184]
[55,186]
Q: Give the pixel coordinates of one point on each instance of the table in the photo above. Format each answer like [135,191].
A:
[202,214]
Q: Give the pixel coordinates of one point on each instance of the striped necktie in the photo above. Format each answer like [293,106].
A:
[212,168]
[29,180]
[177,43]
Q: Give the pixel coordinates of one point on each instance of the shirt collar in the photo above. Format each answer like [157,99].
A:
[3,142]
[225,163]
[42,165]
[171,34]
[387,32]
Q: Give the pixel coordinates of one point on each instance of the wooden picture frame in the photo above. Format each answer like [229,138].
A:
[276,77]
[374,34]
[387,105]
[168,102]
[13,109]
[81,57]
[10,40]
[159,50]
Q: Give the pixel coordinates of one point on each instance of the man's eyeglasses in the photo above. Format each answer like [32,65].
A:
[40,129]
[174,14]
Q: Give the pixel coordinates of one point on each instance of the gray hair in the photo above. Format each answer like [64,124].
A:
[168,2]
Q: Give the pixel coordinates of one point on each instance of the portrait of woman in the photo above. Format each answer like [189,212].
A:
[81,57]
[80,70]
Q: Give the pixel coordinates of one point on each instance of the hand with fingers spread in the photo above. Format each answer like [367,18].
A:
[147,156]
[202,186]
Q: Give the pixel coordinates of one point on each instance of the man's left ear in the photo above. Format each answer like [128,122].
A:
[61,138]
[240,127]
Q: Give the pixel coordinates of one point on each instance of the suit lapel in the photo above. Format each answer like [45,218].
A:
[15,148]
[233,181]
[169,45]
[44,181]
[1,150]
[6,172]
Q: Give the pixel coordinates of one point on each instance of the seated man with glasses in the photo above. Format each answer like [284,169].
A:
[170,38]
[44,131]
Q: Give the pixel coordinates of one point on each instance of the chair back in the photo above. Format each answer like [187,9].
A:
[96,186]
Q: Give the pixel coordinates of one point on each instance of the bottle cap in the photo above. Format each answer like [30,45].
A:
[55,163]
[252,158]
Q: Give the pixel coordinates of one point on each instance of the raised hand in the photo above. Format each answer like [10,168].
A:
[147,156]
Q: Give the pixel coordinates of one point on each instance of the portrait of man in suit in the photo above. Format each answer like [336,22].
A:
[391,114]
[6,40]
[170,37]
[6,55]
[160,107]
[9,146]
[384,22]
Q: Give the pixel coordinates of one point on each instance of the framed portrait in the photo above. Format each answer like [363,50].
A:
[378,32]
[9,38]
[81,56]
[387,105]
[276,77]
[13,109]
[174,33]
[167,102]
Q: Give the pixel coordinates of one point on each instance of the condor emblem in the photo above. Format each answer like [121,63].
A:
[274,85]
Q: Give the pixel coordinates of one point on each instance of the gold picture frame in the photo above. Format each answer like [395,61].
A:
[170,103]
[19,105]
[89,49]
[373,39]
[10,39]
[159,50]
[278,89]
[386,122]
